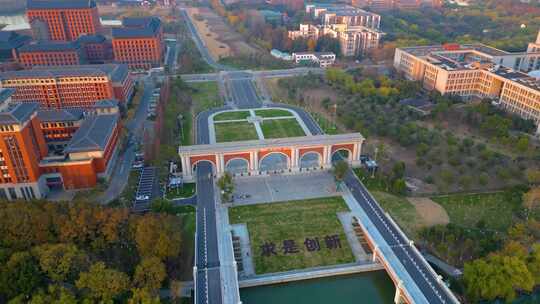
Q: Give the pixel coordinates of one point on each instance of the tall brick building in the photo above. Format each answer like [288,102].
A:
[70,86]
[63,20]
[49,53]
[139,42]
[32,164]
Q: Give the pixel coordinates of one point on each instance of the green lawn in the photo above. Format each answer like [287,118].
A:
[279,128]
[235,131]
[294,220]
[494,209]
[231,115]
[205,96]
[273,113]
[327,126]
[401,210]
[188,242]
[187,190]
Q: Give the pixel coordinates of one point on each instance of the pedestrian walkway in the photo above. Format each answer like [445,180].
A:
[310,273]
[241,231]
[284,187]
[228,268]
[346,219]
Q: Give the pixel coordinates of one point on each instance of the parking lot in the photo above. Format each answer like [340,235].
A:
[275,188]
[147,189]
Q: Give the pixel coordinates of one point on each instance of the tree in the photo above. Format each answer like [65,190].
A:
[311,43]
[496,276]
[328,43]
[157,235]
[226,185]
[103,283]
[399,186]
[398,170]
[531,200]
[522,144]
[21,275]
[143,296]
[533,176]
[61,262]
[149,274]
[55,294]
[339,170]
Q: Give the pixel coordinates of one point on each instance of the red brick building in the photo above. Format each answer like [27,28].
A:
[96,48]
[63,20]
[379,5]
[48,53]
[29,169]
[70,86]
[10,42]
[139,42]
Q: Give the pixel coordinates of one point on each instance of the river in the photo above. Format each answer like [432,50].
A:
[365,288]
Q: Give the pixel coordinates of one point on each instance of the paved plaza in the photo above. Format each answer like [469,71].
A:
[277,188]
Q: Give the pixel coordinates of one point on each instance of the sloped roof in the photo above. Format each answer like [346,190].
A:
[117,72]
[93,134]
[85,38]
[106,103]
[137,27]
[55,4]
[19,113]
[61,115]
[49,46]
[10,40]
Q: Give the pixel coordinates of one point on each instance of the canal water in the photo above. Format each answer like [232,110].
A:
[366,288]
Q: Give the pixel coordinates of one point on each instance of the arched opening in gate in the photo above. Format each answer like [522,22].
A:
[274,162]
[206,166]
[341,154]
[237,166]
[310,160]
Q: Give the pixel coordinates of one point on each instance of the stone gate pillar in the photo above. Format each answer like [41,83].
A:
[187,171]
[254,162]
[295,159]
[327,157]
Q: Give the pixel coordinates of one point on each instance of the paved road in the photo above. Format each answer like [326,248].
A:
[312,125]
[244,94]
[199,42]
[409,258]
[208,272]
[120,174]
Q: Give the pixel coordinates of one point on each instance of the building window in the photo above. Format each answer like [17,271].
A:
[12,193]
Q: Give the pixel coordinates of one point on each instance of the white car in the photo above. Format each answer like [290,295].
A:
[142,197]
[137,165]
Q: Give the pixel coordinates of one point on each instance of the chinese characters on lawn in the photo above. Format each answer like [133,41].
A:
[287,247]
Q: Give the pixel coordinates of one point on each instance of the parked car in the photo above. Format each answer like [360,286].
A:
[142,197]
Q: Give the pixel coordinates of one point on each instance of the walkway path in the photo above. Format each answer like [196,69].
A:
[310,273]
[346,219]
[241,231]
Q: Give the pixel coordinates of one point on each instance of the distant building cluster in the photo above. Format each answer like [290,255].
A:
[381,5]
[476,70]
[356,30]
[70,86]
[41,150]
[322,59]
[70,33]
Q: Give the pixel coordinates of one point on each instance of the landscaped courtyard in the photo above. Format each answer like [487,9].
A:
[240,125]
[235,131]
[279,128]
[295,234]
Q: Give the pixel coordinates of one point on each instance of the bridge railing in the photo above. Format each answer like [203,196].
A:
[378,252]
[411,244]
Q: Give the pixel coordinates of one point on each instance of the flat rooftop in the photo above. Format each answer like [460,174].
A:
[302,141]
[117,72]
[60,4]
